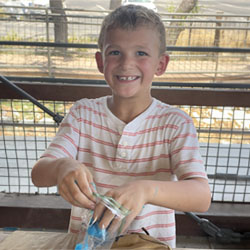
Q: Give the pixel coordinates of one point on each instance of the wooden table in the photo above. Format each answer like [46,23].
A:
[36,240]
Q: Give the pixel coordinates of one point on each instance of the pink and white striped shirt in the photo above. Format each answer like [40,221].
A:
[160,144]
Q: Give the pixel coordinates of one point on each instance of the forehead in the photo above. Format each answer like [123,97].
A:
[139,35]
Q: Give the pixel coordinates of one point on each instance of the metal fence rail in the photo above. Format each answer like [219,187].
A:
[83,28]
[77,61]
[224,135]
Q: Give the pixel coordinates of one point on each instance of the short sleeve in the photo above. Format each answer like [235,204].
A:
[186,160]
[65,142]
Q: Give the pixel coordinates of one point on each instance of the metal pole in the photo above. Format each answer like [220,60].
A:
[57,118]
[48,48]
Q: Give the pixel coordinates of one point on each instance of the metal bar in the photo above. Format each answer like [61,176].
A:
[233,177]
[57,118]
[94,46]
[90,82]
[208,131]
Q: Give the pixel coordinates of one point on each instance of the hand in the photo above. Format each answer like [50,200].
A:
[131,196]
[73,182]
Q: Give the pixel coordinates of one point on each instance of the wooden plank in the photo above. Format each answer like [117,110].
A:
[173,96]
[52,212]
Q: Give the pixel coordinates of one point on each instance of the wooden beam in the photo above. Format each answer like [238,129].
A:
[52,212]
[173,96]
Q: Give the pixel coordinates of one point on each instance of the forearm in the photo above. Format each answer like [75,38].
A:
[45,172]
[185,195]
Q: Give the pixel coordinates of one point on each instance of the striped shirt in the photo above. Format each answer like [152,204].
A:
[160,144]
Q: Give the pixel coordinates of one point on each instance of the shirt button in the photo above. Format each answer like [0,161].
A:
[125,143]
[123,154]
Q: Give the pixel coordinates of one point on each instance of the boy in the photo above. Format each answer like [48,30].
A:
[132,146]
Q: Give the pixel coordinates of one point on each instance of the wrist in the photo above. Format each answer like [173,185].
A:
[150,189]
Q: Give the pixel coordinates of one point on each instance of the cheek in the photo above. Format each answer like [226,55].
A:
[148,67]
[109,64]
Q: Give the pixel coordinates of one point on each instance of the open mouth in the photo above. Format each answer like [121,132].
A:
[127,78]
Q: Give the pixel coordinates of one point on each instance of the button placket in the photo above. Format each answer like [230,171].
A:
[122,153]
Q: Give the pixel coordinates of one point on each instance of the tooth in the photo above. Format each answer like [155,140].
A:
[129,78]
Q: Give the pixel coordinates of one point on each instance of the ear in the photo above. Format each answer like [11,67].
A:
[163,63]
[99,61]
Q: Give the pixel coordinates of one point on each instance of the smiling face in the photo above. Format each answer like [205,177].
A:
[129,61]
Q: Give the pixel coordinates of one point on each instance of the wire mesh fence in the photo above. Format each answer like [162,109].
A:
[80,63]
[83,28]
[25,132]
[223,134]
[225,146]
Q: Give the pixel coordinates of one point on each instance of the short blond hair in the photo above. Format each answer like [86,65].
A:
[130,17]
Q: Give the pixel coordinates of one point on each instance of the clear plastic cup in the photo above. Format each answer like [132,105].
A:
[99,238]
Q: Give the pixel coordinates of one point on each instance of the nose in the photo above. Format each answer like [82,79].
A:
[127,62]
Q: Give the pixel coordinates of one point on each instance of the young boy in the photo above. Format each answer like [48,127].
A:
[140,151]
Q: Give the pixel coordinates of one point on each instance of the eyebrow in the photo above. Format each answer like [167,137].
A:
[137,47]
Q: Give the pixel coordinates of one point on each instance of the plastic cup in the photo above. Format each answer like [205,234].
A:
[99,238]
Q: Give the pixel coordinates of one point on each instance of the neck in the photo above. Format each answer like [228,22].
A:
[127,110]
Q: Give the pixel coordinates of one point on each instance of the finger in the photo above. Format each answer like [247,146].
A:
[126,222]
[93,187]
[106,218]
[115,227]
[67,196]
[76,194]
[81,197]
[84,180]
[99,211]
[84,186]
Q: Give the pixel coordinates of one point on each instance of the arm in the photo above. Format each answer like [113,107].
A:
[185,195]
[71,177]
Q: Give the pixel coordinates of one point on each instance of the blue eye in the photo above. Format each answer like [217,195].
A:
[141,53]
[114,52]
